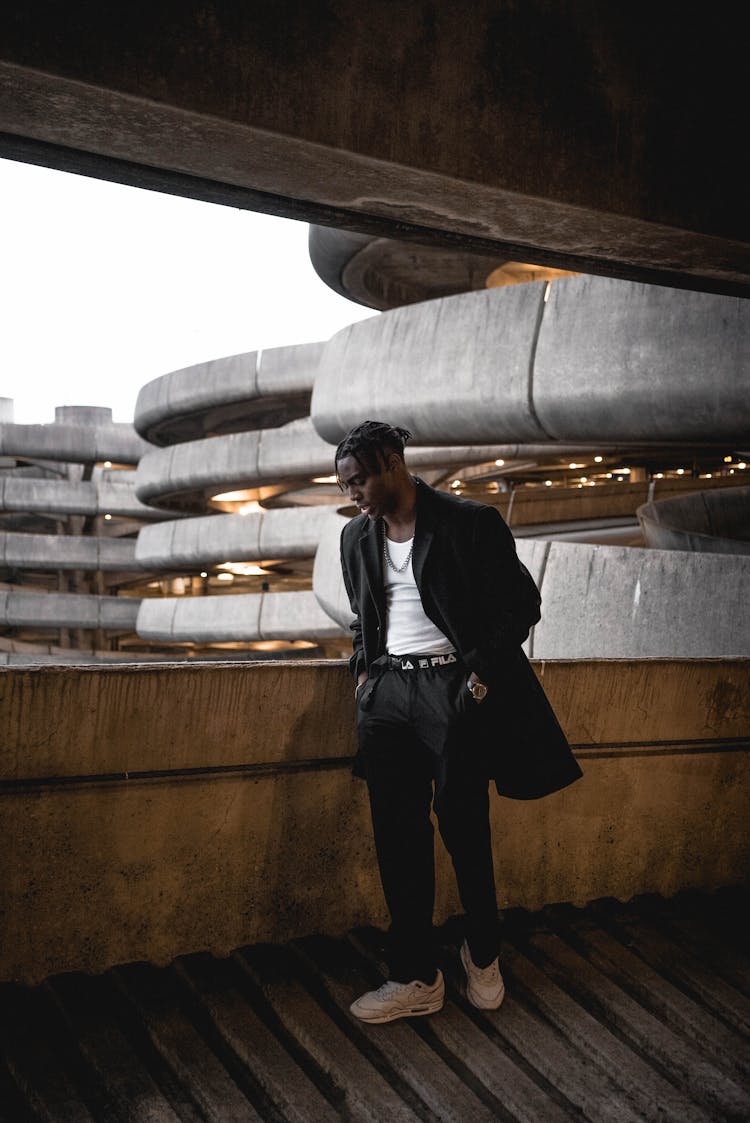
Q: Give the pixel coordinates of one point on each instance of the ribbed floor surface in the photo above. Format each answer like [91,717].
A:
[614,1013]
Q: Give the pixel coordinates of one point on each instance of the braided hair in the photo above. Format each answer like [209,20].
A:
[370,443]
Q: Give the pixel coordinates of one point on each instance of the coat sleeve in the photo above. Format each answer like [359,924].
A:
[357,662]
[506,595]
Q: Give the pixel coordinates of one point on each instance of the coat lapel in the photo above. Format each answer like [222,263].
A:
[424,532]
[372,562]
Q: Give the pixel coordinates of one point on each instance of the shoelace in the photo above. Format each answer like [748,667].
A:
[488,974]
[389,987]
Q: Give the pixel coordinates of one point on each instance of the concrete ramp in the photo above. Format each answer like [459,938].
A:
[714,522]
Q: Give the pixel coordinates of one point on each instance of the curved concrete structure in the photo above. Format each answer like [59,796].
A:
[57,551]
[260,535]
[238,617]
[586,359]
[109,492]
[21,608]
[67,534]
[185,476]
[387,273]
[256,390]
[78,435]
[714,522]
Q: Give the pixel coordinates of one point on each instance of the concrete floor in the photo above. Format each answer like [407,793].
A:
[616,1012]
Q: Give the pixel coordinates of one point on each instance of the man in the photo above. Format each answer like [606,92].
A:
[446,701]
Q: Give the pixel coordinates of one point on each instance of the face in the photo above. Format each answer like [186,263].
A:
[374,493]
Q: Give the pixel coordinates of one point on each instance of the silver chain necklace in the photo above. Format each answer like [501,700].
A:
[396,568]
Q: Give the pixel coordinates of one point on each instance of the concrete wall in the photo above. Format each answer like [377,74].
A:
[235,617]
[56,551]
[19,609]
[609,601]
[79,434]
[600,361]
[575,131]
[287,532]
[153,811]
[110,492]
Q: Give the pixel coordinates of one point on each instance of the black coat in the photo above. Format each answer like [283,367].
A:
[475,590]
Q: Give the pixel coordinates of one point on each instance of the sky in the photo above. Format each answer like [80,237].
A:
[105,287]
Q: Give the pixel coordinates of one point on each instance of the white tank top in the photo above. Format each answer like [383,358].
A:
[410,631]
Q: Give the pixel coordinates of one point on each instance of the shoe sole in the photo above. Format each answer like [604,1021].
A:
[478,1002]
[412,1012]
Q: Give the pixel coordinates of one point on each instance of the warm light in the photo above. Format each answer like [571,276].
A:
[325,479]
[575,465]
[456,483]
[592,483]
[584,479]
[680,471]
[609,475]
[107,463]
[242,569]
[499,463]
[249,508]
[731,471]
[230,497]
[742,464]
[579,485]
[107,517]
[659,476]
[226,576]
[709,475]
[727,459]
[598,459]
[548,483]
[204,574]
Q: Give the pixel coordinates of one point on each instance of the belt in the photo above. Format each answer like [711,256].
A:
[423,661]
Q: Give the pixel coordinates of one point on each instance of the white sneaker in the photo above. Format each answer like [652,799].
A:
[485,988]
[400,1000]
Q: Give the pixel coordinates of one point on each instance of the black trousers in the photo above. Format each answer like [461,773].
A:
[418,734]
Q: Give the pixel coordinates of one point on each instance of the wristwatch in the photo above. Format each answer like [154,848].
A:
[477,689]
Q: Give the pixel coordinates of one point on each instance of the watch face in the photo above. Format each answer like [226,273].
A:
[479,690]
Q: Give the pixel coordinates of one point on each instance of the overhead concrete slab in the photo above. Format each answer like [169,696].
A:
[567,132]
[579,359]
